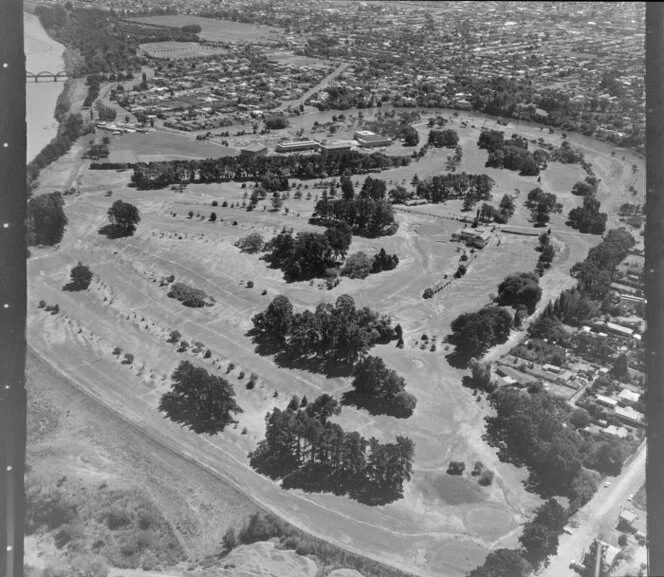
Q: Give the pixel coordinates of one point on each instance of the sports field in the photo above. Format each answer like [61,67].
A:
[178,50]
[216,30]
[157,146]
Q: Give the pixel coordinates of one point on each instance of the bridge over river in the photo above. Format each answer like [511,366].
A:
[47,76]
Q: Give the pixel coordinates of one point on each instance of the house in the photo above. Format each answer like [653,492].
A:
[338,146]
[367,139]
[626,519]
[551,369]
[297,146]
[629,396]
[607,401]
[617,329]
[630,416]
[474,237]
[620,432]
[253,151]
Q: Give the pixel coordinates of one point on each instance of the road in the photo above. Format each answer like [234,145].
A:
[602,511]
[322,84]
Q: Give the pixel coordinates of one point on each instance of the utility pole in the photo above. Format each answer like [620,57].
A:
[13,253]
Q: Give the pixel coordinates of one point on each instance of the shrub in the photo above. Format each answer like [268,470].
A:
[188,296]
[117,351]
[41,304]
[250,385]
[208,354]
[175,336]
[456,468]
[117,517]
[428,293]
[241,375]
[215,203]
[128,359]
[486,478]
[250,284]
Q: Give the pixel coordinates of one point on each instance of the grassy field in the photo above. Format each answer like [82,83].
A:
[157,146]
[285,57]
[444,525]
[178,50]
[216,30]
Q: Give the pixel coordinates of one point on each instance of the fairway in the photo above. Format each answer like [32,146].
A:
[216,30]
[444,525]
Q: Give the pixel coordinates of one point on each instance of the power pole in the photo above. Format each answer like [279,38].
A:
[13,254]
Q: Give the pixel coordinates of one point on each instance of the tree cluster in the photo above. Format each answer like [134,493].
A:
[588,218]
[487,213]
[274,183]
[541,204]
[308,254]
[566,154]
[443,187]
[474,333]
[227,168]
[359,265]
[200,401]
[530,429]
[339,332]
[275,122]
[365,215]
[514,158]
[447,138]
[547,252]
[46,220]
[307,451]
[520,288]
[540,535]
[188,296]
[379,389]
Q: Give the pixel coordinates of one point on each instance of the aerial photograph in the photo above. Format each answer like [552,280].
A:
[335,288]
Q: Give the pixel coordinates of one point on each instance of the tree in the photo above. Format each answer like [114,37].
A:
[347,188]
[410,136]
[381,389]
[200,401]
[481,375]
[46,219]
[580,418]
[619,369]
[520,288]
[81,277]
[125,216]
[357,265]
[503,563]
[251,243]
[339,236]
[474,333]
[583,189]
[276,320]
[609,459]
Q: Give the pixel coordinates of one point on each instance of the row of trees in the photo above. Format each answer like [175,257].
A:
[307,451]
[505,210]
[366,215]
[444,187]
[73,126]
[162,174]
[339,332]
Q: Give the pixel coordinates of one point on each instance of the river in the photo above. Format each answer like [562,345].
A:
[41,53]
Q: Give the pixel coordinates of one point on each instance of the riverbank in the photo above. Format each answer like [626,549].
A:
[42,53]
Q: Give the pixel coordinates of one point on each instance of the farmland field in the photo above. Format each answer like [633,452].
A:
[216,30]
[444,525]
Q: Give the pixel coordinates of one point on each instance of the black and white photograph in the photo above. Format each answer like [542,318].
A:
[331,288]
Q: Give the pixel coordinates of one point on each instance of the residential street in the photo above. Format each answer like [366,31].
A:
[600,513]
